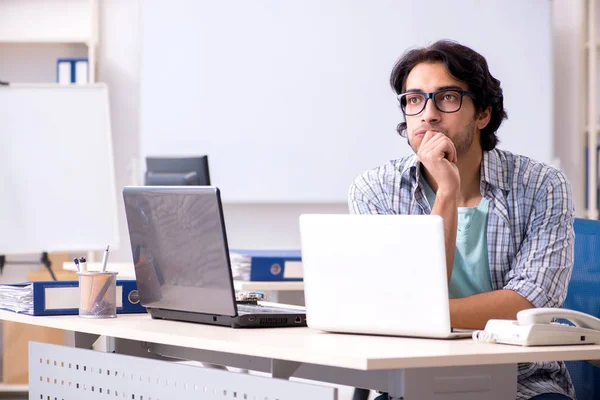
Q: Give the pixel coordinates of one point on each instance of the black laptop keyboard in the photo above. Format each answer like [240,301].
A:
[258,309]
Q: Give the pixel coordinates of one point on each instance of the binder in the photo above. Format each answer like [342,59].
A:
[62,297]
[81,72]
[72,70]
[271,265]
[63,72]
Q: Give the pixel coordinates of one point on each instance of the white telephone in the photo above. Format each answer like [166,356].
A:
[535,327]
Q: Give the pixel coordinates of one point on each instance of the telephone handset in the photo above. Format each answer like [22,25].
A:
[535,327]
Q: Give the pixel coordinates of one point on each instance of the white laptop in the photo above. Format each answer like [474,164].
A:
[376,274]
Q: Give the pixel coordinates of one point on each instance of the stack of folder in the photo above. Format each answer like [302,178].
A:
[61,297]
[266,265]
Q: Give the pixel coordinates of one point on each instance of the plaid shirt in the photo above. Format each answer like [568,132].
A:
[529,234]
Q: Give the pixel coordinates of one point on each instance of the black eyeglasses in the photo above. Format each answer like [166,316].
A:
[446,101]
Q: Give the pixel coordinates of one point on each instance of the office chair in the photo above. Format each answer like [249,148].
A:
[584,295]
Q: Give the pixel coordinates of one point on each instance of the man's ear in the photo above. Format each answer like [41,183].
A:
[483,118]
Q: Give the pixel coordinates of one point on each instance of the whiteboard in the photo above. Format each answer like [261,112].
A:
[291,100]
[56,169]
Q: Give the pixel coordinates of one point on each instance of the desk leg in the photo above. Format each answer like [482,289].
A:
[493,382]
[84,340]
[283,369]
[144,350]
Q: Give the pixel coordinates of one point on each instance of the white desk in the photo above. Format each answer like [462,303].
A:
[412,368]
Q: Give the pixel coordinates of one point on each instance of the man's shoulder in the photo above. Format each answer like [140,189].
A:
[390,171]
[521,171]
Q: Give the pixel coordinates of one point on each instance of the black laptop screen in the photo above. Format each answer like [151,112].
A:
[179,248]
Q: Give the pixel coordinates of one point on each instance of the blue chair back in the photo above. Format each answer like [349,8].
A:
[584,295]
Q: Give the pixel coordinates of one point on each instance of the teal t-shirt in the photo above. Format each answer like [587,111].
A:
[470,271]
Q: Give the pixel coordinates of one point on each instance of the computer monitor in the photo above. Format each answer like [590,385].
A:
[177,171]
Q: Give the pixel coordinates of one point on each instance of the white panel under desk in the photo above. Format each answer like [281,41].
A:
[69,373]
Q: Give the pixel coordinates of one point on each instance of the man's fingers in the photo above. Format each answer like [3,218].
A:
[430,138]
[443,148]
[437,141]
[454,153]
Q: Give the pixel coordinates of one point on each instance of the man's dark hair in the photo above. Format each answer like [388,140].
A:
[465,65]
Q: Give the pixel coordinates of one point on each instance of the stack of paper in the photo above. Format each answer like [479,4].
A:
[17,298]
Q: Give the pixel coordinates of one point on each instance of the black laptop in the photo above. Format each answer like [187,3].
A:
[181,259]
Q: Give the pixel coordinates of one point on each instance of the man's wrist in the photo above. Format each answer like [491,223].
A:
[447,194]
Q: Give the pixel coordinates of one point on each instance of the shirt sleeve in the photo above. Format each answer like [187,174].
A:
[365,195]
[542,267]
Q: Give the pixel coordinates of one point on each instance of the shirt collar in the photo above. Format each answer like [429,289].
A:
[410,166]
[493,171]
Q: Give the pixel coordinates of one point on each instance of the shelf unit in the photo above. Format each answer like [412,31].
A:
[56,28]
[590,83]
[27,22]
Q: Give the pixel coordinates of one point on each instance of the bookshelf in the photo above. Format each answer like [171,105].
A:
[34,34]
[51,22]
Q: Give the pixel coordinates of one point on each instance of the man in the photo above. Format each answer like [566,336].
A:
[508,220]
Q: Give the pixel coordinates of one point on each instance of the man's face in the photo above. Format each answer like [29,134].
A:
[459,126]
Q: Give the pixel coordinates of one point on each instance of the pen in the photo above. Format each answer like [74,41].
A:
[99,301]
[83,264]
[76,261]
[105,259]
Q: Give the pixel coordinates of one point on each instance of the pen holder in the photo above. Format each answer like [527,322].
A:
[98,294]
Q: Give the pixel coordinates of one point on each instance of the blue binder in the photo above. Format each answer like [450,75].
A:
[72,70]
[62,297]
[274,265]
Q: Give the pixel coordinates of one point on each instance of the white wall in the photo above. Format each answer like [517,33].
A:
[118,66]
[260,226]
[569,94]
[270,226]
[342,113]
[263,226]
[248,226]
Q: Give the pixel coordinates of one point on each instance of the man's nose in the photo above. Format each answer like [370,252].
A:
[430,113]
